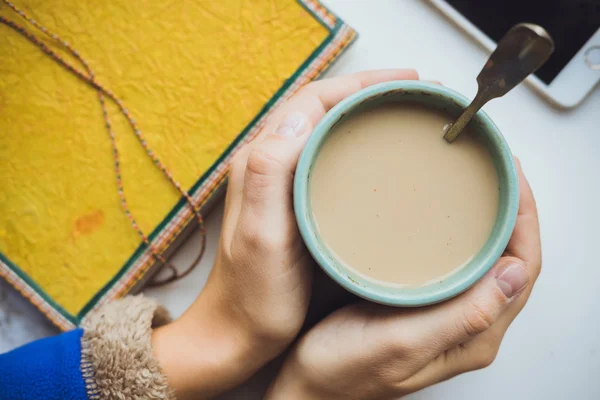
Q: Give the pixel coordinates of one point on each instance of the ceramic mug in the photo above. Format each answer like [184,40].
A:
[453,103]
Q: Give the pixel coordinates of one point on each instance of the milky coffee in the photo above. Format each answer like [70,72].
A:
[394,201]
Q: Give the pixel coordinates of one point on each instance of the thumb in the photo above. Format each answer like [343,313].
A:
[268,178]
[459,320]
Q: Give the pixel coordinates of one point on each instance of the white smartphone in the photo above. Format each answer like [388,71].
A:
[573,70]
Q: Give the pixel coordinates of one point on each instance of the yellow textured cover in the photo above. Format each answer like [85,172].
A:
[193,74]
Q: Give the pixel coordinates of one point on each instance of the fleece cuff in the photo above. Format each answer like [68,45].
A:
[117,359]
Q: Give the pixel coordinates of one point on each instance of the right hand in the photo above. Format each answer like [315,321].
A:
[369,351]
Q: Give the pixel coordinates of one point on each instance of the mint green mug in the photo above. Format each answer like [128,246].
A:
[453,103]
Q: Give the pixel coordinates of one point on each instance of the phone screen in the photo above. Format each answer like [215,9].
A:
[571,23]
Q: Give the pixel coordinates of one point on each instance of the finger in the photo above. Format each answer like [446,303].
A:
[332,91]
[268,179]
[476,354]
[525,244]
[233,196]
[436,371]
[275,156]
[441,327]
[471,327]
[318,97]
[314,100]
[525,241]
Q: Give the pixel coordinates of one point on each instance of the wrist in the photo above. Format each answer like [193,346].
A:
[225,317]
[204,353]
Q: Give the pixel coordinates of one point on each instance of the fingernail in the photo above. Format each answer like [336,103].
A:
[293,125]
[512,279]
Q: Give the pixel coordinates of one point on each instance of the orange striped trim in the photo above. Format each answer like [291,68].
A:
[34,298]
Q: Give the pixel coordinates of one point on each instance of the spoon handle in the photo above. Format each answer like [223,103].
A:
[520,52]
[457,126]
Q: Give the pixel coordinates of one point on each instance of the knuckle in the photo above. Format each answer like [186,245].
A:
[251,238]
[271,243]
[402,344]
[406,346]
[477,319]
[263,161]
[257,238]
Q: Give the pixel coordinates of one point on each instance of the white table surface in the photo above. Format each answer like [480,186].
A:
[552,350]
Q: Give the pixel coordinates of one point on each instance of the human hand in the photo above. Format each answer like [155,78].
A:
[369,351]
[256,297]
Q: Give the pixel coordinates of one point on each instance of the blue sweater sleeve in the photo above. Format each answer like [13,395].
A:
[47,369]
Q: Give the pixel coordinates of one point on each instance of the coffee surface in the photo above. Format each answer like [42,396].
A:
[394,201]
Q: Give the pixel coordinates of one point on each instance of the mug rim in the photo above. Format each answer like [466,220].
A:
[378,291]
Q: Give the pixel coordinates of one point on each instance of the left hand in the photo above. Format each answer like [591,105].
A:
[257,295]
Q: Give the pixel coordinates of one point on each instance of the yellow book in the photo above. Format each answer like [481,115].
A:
[199,77]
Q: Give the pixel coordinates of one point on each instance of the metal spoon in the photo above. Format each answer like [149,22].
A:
[522,50]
